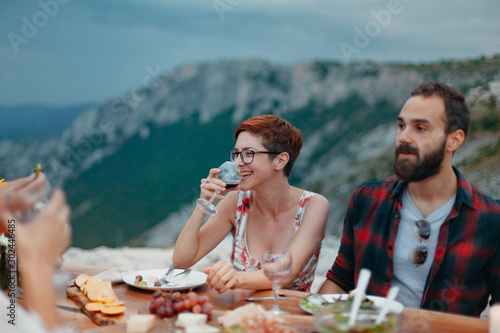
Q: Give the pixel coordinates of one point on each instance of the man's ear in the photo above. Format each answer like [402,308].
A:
[281,161]
[455,140]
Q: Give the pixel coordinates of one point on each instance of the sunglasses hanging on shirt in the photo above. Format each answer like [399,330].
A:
[423,230]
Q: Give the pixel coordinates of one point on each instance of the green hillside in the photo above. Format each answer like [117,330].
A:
[145,180]
[480,71]
[485,125]
[151,176]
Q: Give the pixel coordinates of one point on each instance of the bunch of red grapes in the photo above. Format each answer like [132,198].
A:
[168,304]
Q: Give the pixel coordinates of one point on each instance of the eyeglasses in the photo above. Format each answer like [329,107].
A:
[247,155]
[419,254]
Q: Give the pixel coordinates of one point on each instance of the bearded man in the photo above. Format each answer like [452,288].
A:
[426,230]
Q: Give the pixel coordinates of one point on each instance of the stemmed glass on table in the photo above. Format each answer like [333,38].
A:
[276,267]
[230,174]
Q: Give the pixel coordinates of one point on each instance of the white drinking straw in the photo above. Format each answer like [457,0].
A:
[391,296]
[364,278]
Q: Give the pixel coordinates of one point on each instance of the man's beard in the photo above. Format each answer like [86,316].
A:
[409,171]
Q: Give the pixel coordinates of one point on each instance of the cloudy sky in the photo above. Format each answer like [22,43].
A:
[60,52]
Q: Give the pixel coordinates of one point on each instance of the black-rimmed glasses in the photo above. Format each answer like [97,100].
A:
[247,155]
[423,230]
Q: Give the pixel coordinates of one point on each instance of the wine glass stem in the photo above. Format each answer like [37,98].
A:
[213,196]
[276,289]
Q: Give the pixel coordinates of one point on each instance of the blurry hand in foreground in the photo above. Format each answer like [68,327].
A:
[48,235]
[21,194]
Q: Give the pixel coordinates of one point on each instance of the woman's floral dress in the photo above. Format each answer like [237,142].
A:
[243,261]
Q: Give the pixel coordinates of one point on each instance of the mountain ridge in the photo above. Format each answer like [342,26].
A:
[132,161]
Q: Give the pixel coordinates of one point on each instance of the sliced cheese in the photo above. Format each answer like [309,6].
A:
[140,323]
[191,319]
[201,329]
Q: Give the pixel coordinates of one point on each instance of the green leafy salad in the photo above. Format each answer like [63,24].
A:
[311,304]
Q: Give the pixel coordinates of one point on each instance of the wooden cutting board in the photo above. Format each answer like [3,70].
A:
[100,319]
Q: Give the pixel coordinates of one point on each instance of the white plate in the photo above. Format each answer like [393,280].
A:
[189,280]
[378,302]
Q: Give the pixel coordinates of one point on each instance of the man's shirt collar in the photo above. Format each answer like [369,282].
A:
[464,191]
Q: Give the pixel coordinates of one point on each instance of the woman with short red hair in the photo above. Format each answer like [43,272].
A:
[263,212]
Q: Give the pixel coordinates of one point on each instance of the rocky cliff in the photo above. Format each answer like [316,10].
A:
[134,161]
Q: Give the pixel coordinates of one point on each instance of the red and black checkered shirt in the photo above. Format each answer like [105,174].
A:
[466,266]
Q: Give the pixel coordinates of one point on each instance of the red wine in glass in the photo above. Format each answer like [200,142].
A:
[230,174]
[231,185]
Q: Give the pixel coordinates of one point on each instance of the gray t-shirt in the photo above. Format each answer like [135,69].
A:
[408,277]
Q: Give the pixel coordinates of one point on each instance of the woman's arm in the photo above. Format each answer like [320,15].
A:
[222,275]
[195,241]
[310,234]
[39,244]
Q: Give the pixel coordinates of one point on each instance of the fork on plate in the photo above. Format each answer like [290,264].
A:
[183,272]
[164,279]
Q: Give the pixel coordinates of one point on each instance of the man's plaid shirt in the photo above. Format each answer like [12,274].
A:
[466,267]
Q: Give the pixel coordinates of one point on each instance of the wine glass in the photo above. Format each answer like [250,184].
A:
[230,174]
[39,197]
[276,267]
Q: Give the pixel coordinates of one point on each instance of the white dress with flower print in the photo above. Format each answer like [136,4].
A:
[241,257]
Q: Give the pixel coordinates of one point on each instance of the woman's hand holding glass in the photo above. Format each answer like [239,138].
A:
[226,177]
[39,243]
[22,194]
[25,202]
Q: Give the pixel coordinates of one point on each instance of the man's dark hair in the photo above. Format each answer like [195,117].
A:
[457,111]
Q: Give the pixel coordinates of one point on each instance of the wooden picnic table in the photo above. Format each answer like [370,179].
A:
[138,300]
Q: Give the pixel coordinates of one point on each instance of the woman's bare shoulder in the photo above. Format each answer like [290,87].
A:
[320,200]
[316,199]
[318,209]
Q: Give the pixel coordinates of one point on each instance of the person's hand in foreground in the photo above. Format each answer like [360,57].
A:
[21,194]
[39,244]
